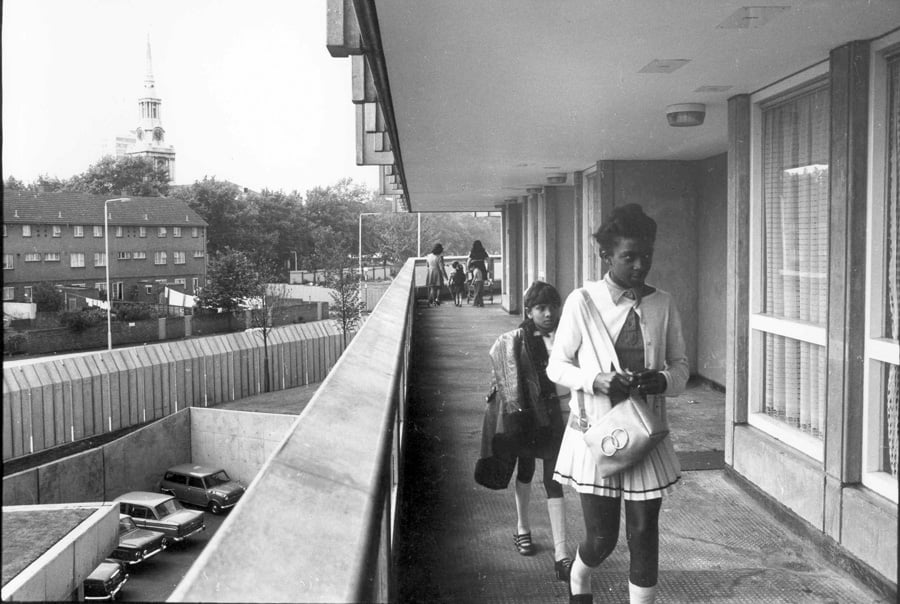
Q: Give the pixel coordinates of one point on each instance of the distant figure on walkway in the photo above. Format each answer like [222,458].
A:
[477,264]
[436,274]
[519,362]
[457,283]
[645,327]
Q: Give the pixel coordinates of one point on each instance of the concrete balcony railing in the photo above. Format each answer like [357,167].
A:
[317,523]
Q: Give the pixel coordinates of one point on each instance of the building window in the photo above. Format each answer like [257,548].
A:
[161,232]
[99,259]
[28,292]
[57,230]
[76,260]
[881,415]
[142,231]
[120,231]
[195,231]
[26,230]
[33,257]
[51,257]
[78,231]
[789,296]
[117,290]
[140,255]
[180,281]
[100,286]
[176,231]
[148,289]
[198,253]
[195,284]
[159,258]
[4,230]
[98,231]
[9,261]
[123,256]
[9,293]
[178,257]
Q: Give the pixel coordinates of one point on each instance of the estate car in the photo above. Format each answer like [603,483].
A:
[105,581]
[136,544]
[161,512]
[205,486]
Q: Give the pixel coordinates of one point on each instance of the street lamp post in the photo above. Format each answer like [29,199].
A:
[108,290]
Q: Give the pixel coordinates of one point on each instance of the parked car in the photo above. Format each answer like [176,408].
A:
[161,512]
[105,581]
[136,544]
[206,486]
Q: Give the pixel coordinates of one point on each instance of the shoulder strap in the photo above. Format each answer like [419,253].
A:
[605,340]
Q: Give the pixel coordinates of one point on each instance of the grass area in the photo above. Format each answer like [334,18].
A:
[28,534]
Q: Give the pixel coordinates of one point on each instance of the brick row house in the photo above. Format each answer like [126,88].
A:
[155,242]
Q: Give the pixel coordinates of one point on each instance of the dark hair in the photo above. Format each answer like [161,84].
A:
[541,293]
[456,265]
[477,249]
[628,221]
[437,249]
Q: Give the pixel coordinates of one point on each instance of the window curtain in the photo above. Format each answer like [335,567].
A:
[892,265]
[795,205]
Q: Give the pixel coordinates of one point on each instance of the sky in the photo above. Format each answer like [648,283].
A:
[249,92]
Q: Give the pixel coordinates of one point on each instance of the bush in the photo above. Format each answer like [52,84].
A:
[79,320]
[16,343]
[135,312]
[47,298]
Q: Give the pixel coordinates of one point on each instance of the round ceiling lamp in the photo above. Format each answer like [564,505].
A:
[686,114]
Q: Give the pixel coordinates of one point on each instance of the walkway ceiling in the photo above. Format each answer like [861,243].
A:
[491,96]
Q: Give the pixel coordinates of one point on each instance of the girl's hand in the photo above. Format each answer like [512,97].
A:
[614,385]
[650,381]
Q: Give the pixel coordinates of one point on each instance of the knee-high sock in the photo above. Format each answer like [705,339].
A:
[523,497]
[556,507]
[641,595]
[580,576]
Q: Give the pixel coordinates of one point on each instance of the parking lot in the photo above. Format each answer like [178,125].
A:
[155,579]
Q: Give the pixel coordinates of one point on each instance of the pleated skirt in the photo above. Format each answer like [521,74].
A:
[650,478]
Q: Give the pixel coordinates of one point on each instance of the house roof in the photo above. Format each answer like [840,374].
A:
[27,207]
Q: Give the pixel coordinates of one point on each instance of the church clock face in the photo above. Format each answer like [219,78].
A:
[157,134]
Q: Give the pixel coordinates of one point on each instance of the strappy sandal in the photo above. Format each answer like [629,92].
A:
[563,569]
[524,544]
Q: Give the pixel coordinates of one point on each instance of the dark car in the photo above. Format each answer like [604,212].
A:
[205,486]
[136,544]
[105,581]
[163,513]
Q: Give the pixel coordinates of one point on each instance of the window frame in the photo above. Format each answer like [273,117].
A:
[52,257]
[9,293]
[26,230]
[72,257]
[99,259]
[30,256]
[9,262]
[759,323]
[57,230]
[78,231]
[139,255]
[142,231]
[176,256]
[98,231]
[162,232]
[160,258]
[176,231]
[877,349]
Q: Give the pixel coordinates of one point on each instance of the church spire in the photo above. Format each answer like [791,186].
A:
[149,84]
[150,136]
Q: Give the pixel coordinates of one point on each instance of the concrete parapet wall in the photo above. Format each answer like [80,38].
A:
[238,441]
[59,572]
[53,401]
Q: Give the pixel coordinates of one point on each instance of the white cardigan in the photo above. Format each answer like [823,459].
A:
[577,356]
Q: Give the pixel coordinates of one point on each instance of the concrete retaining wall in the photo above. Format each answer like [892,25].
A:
[49,402]
[238,441]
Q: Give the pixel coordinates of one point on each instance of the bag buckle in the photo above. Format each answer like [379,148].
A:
[614,441]
[583,424]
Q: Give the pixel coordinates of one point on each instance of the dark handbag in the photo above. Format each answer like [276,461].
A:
[494,472]
[622,437]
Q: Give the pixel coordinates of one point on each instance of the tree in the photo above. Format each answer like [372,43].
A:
[222,205]
[262,318]
[232,279]
[346,308]
[46,297]
[128,175]
[14,184]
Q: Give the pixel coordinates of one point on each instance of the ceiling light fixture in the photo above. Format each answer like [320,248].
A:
[686,114]
[556,178]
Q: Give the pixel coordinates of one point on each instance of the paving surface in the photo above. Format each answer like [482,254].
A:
[717,544]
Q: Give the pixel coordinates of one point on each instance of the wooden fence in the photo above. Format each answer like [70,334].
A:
[53,401]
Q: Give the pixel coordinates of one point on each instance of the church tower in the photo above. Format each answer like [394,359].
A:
[150,136]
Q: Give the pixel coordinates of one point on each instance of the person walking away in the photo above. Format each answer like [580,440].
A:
[645,327]
[457,283]
[436,274]
[519,360]
[477,263]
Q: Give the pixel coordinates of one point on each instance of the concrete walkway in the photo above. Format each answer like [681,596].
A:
[717,544]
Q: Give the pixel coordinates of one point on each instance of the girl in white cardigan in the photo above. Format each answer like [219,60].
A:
[645,326]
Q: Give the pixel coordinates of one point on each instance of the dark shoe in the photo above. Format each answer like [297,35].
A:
[563,569]
[580,598]
[524,544]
